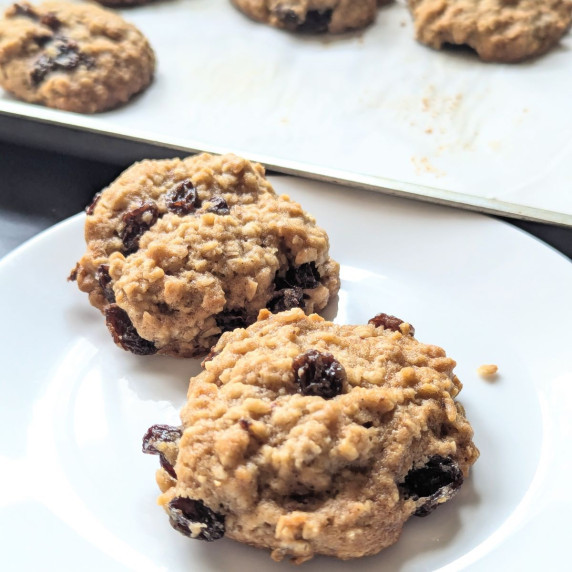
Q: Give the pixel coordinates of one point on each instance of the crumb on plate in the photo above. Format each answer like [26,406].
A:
[487,370]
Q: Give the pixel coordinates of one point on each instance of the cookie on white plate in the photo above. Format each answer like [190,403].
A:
[179,251]
[307,437]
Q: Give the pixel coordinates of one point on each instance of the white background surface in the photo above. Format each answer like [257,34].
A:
[77,493]
[375,107]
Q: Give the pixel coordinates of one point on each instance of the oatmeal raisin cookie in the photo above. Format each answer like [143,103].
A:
[306,437]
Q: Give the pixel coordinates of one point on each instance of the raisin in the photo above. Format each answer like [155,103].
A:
[42,67]
[161,434]
[390,323]
[91,207]
[218,206]
[137,222]
[24,10]
[229,320]
[87,61]
[164,308]
[210,356]
[319,374]
[185,512]
[306,498]
[73,274]
[244,423]
[304,276]
[43,39]
[104,279]
[458,48]
[286,299]
[68,57]
[440,477]
[51,21]
[287,17]
[124,334]
[183,199]
[316,22]
[443,431]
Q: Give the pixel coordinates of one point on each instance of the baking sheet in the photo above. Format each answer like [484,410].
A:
[374,108]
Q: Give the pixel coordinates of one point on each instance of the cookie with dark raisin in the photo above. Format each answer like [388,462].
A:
[312,16]
[180,251]
[307,437]
[124,3]
[498,30]
[76,57]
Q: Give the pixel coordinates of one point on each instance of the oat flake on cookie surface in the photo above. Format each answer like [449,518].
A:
[179,251]
[306,437]
[76,57]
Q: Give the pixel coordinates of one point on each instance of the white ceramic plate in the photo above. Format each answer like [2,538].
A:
[78,494]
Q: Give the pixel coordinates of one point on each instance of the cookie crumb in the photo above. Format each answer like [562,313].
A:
[487,370]
[423,166]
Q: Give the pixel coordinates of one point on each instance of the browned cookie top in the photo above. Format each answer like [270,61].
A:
[77,57]
[499,30]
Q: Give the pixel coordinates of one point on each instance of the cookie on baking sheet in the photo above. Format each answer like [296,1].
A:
[498,30]
[124,3]
[312,16]
[76,57]
[179,251]
[307,437]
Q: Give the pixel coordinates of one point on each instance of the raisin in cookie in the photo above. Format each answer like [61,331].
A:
[498,30]
[76,57]
[313,16]
[306,437]
[178,251]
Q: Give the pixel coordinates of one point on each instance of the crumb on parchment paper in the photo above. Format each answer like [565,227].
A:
[487,370]
[423,166]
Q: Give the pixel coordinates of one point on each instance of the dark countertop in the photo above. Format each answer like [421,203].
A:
[39,188]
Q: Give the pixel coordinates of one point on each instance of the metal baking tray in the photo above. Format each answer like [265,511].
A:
[372,109]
